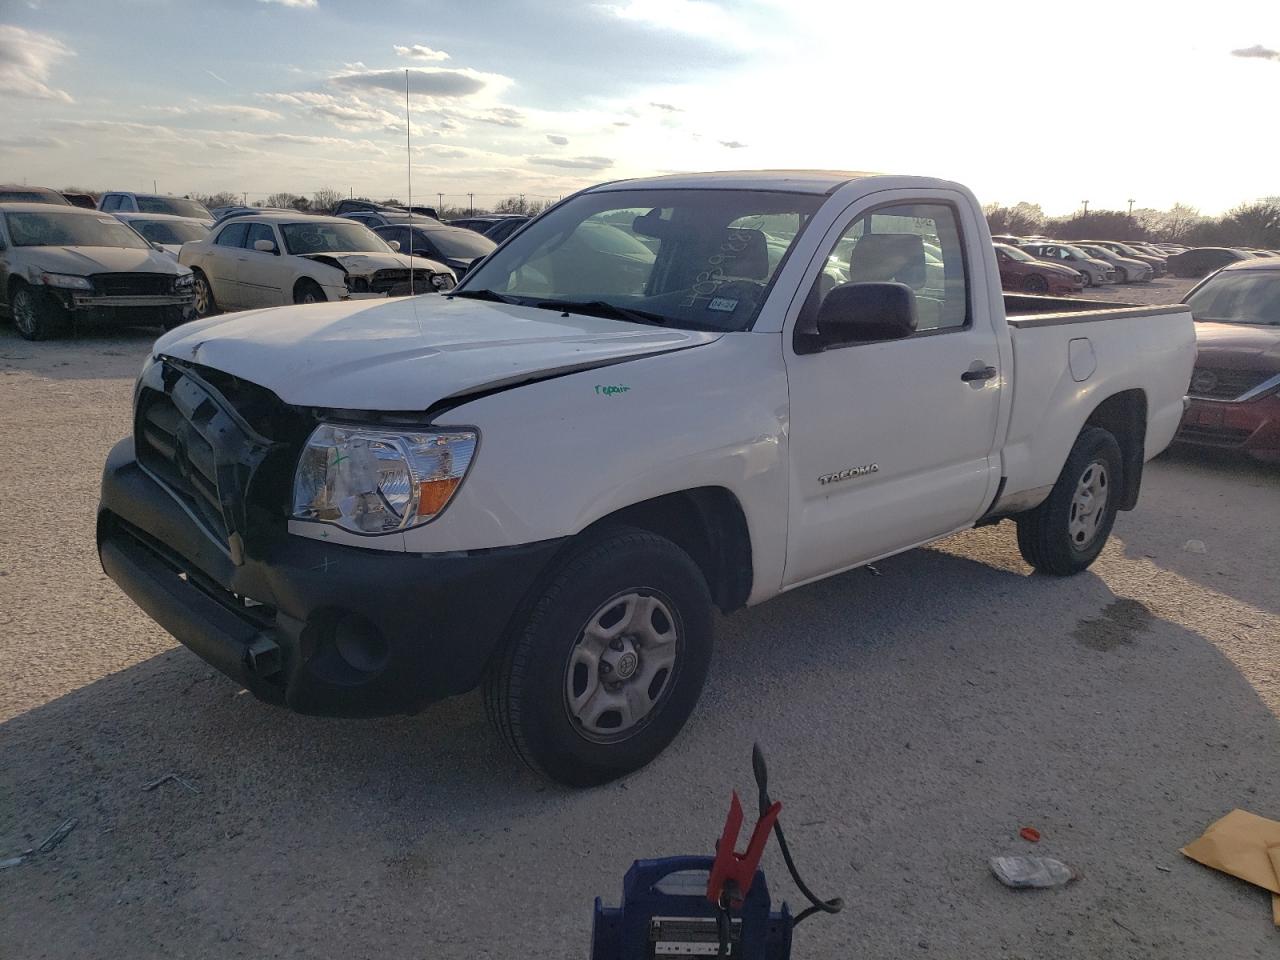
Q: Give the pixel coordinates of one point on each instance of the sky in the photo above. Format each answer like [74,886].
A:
[1052,103]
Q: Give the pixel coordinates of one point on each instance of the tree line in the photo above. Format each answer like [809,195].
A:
[324,200]
[1247,225]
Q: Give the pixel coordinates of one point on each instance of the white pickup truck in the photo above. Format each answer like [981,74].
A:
[659,397]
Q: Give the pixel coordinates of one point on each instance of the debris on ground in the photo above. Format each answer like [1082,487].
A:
[1195,546]
[873,570]
[51,841]
[1039,872]
[186,784]
[1029,834]
[1247,847]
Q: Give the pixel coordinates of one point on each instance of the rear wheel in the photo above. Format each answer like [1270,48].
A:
[1035,284]
[609,663]
[1066,533]
[1088,278]
[308,291]
[205,305]
[35,313]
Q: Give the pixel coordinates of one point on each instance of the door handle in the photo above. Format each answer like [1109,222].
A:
[978,373]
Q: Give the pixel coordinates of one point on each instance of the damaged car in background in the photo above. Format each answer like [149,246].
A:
[59,264]
[274,259]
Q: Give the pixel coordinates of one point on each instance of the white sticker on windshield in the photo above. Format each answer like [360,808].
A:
[723,304]
[108,220]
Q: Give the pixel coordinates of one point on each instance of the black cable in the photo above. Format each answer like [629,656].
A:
[835,904]
[724,925]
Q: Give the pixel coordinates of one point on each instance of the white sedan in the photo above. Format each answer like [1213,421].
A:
[164,231]
[276,258]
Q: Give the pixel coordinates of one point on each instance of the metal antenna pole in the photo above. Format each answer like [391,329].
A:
[408,150]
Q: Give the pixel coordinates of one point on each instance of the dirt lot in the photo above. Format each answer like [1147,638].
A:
[913,720]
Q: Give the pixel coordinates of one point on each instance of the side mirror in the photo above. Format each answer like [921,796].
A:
[866,312]
[265,246]
[394,245]
[157,246]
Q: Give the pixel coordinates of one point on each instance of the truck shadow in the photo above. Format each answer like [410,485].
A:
[936,706]
[1218,527]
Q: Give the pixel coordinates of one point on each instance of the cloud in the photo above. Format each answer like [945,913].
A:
[26,60]
[345,113]
[621,123]
[668,107]
[498,116]
[732,144]
[431,81]
[31,142]
[297,4]
[1257,52]
[232,111]
[574,163]
[418,52]
[218,78]
[559,141]
[707,21]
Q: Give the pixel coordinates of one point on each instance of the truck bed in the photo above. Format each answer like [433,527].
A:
[1024,310]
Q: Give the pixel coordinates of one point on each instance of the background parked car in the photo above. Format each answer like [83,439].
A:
[276,258]
[59,263]
[1128,250]
[1093,270]
[506,227]
[155,203]
[19,193]
[1235,388]
[455,247]
[1127,269]
[1024,273]
[84,200]
[345,208]
[1204,260]
[165,230]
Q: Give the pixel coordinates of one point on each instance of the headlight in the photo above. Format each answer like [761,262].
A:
[66,280]
[184,280]
[442,281]
[379,481]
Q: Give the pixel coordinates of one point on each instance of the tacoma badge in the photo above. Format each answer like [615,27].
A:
[861,471]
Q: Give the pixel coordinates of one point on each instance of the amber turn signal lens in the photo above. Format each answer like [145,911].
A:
[434,494]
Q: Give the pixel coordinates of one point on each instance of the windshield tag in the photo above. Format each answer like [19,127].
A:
[107,220]
[723,305]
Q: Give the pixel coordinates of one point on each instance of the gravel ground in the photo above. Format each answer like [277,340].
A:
[913,722]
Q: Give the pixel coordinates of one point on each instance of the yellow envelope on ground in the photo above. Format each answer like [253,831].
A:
[1274,854]
[1237,844]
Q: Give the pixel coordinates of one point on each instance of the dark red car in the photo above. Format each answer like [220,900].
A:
[1021,272]
[1235,387]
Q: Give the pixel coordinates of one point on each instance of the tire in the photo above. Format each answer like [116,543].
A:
[204,304]
[1088,278]
[546,690]
[1035,284]
[36,315]
[1061,537]
[308,291]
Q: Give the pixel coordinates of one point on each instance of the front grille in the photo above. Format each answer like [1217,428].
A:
[132,284]
[223,447]
[397,282]
[1213,383]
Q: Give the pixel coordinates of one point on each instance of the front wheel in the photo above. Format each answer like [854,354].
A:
[610,661]
[1088,278]
[1035,284]
[35,314]
[204,304]
[308,291]
[1066,533]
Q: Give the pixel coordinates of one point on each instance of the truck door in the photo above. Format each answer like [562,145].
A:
[892,442]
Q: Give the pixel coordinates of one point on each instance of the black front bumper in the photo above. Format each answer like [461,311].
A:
[327,629]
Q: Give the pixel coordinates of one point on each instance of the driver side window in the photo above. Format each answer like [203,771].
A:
[917,244]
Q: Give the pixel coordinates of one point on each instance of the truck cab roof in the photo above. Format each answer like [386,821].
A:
[795,181]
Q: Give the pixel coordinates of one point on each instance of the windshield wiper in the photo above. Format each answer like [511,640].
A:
[602,308]
[484,295]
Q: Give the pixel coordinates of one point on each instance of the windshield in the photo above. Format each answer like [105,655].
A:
[178,206]
[70,230]
[1098,253]
[1013,253]
[33,196]
[698,259]
[1239,296]
[170,231]
[324,236]
[460,243]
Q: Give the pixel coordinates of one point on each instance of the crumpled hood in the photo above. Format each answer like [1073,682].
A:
[410,352]
[366,264]
[82,261]
[1238,345]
